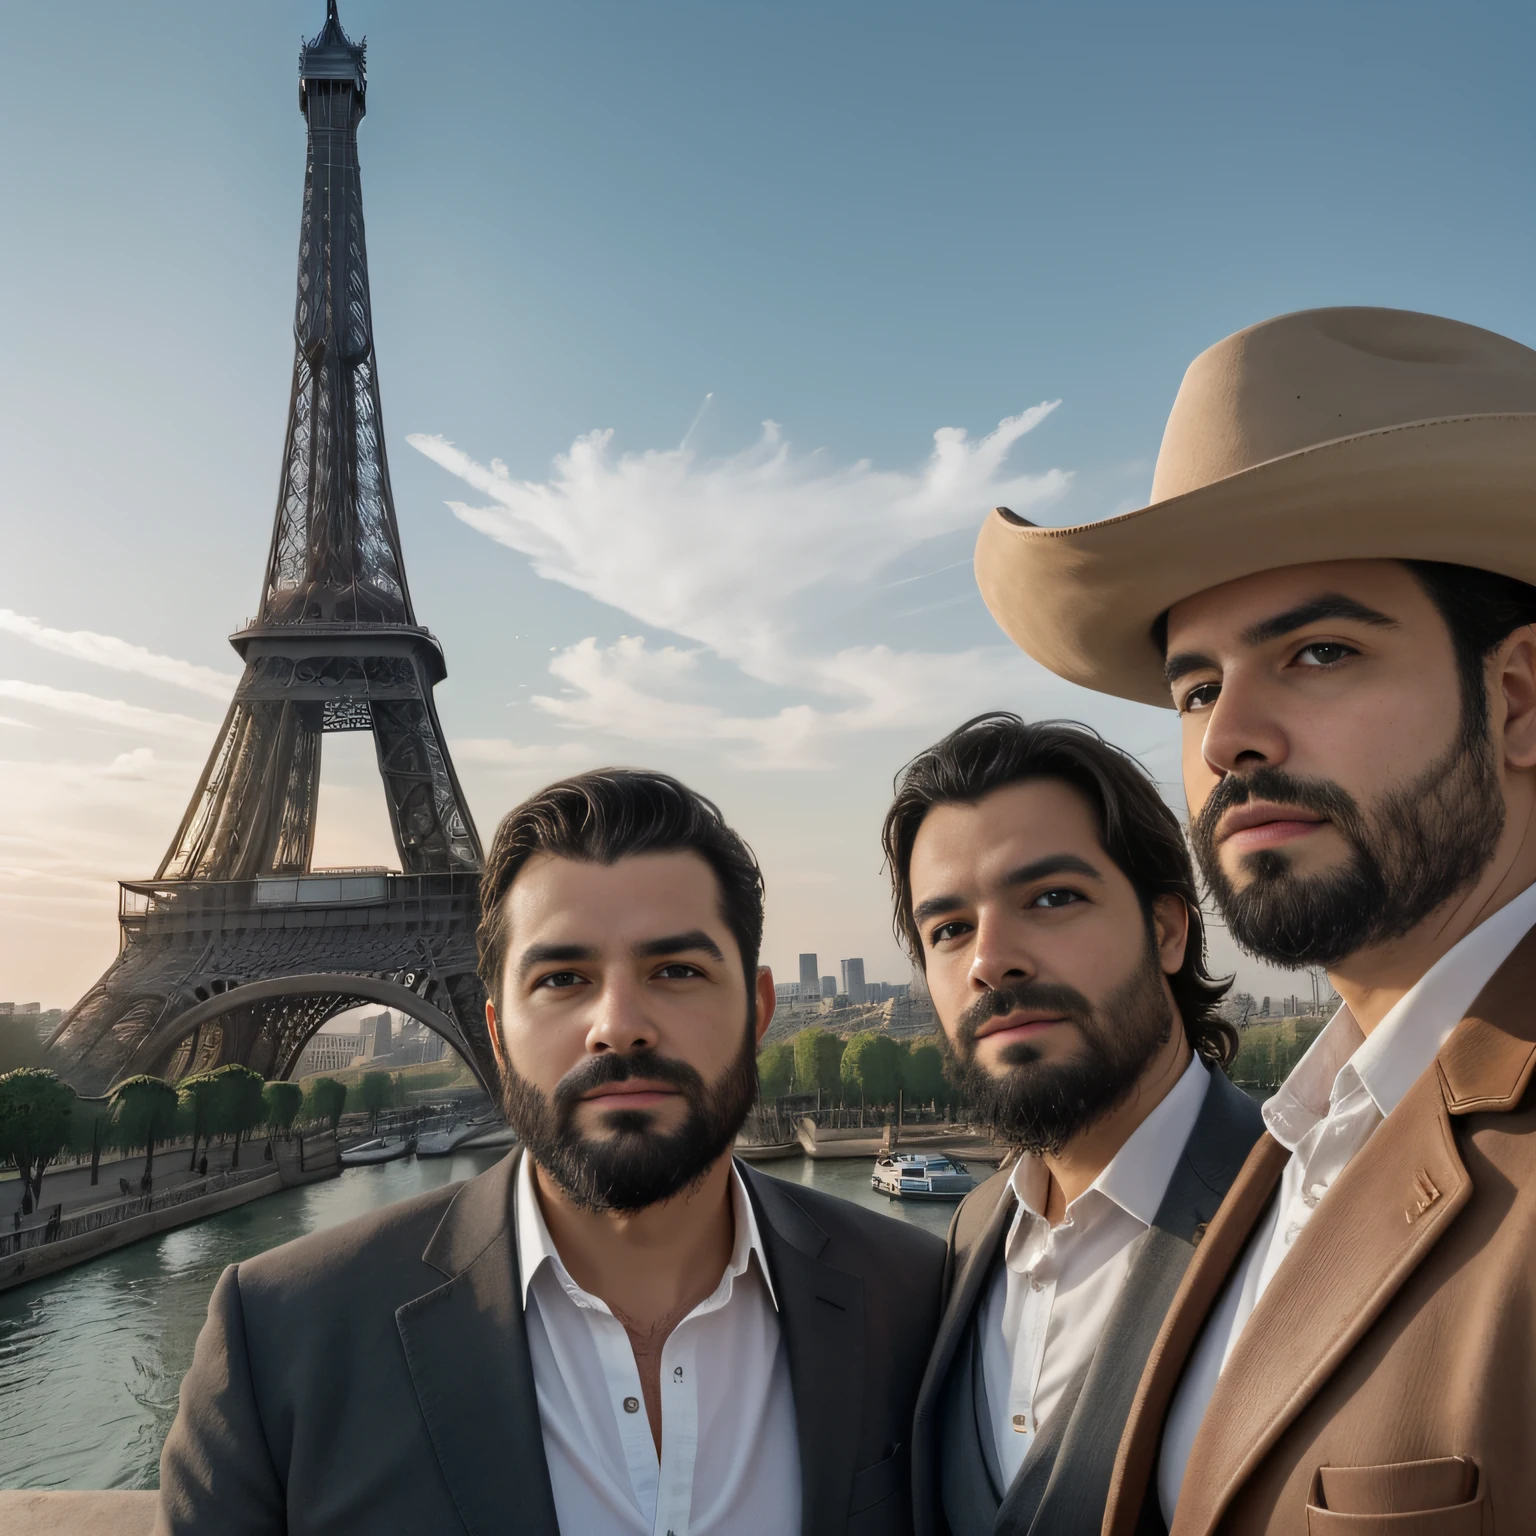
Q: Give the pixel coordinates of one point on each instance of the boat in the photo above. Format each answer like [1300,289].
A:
[921,1176]
[382,1149]
[442,1143]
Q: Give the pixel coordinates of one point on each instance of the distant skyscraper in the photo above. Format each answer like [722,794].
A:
[810,975]
[829,986]
[853,980]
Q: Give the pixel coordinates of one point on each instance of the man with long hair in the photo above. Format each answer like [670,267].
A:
[1046,893]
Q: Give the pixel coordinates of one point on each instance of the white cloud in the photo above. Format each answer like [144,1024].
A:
[108,712]
[120,655]
[18,725]
[740,555]
[721,551]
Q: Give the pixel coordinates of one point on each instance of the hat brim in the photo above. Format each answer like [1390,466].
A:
[1085,601]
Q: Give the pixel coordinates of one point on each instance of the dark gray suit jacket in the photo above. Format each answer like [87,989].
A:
[1063,1484]
[375,1378]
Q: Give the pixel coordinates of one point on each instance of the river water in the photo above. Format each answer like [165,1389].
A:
[91,1359]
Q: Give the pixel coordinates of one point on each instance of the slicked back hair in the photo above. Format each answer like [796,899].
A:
[604,816]
[1136,829]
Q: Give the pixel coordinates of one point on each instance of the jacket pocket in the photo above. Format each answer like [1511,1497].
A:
[1441,1497]
[880,1480]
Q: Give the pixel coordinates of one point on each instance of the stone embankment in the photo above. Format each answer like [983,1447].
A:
[39,1251]
[77,1514]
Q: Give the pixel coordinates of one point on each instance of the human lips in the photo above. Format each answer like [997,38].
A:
[1020,1024]
[630,1093]
[1265,824]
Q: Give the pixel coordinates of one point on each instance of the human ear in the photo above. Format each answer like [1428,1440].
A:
[1512,689]
[766,1001]
[493,1028]
[1170,926]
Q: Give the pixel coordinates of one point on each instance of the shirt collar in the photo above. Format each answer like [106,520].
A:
[1136,1177]
[535,1247]
[1388,1061]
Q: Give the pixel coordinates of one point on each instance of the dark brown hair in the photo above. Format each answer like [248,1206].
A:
[1136,829]
[603,816]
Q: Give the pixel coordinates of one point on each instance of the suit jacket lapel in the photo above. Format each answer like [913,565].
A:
[1061,1486]
[1213,1261]
[1388,1209]
[821,1314]
[467,1347]
[975,1271]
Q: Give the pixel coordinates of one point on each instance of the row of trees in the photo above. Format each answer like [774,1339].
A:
[43,1119]
[869,1069]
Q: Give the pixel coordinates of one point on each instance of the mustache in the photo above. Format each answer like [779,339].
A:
[1321,796]
[1021,994]
[599,1071]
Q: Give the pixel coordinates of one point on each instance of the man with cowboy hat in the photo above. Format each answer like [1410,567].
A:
[1333,588]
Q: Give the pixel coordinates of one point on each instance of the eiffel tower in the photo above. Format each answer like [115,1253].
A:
[238,950]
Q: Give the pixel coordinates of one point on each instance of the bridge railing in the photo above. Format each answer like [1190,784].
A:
[122,1210]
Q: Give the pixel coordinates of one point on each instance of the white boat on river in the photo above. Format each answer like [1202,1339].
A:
[921,1176]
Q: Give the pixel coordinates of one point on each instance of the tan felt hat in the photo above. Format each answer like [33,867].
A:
[1332,434]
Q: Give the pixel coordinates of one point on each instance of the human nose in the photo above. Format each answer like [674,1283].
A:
[1242,729]
[620,1019]
[999,957]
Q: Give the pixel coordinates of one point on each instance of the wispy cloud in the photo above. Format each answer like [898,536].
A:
[119,655]
[745,556]
[721,551]
[115,713]
[494,752]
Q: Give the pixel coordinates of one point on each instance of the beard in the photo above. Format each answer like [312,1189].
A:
[1422,844]
[633,1165]
[1041,1105]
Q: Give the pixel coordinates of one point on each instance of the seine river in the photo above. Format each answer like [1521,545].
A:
[91,1359]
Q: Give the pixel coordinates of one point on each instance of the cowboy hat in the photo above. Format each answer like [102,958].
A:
[1332,434]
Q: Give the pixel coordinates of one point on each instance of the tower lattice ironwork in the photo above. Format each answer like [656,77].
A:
[238,950]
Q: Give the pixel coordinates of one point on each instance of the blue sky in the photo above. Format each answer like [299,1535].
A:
[670,223]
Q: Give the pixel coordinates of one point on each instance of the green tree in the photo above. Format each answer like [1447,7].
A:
[239,1105]
[871,1069]
[283,1101]
[922,1075]
[775,1070]
[326,1101]
[20,1043]
[373,1091]
[145,1109]
[818,1055]
[199,1109]
[35,1114]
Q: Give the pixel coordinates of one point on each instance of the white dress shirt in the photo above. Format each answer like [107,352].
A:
[729,1458]
[1325,1112]
[1046,1307]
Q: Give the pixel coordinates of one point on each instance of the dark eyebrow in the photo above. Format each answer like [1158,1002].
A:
[1330,605]
[1036,869]
[543,954]
[675,943]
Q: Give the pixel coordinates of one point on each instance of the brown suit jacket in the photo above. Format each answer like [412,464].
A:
[1385,1384]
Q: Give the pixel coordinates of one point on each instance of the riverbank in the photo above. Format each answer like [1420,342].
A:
[43,1248]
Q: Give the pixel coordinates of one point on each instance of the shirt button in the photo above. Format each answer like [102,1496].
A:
[1021,1422]
[1037,1285]
[631,1405]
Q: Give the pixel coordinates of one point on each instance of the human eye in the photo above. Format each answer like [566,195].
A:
[1324,653]
[1060,897]
[558,981]
[1200,697]
[947,931]
[678,970]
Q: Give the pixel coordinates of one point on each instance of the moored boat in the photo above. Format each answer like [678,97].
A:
[921,1176]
